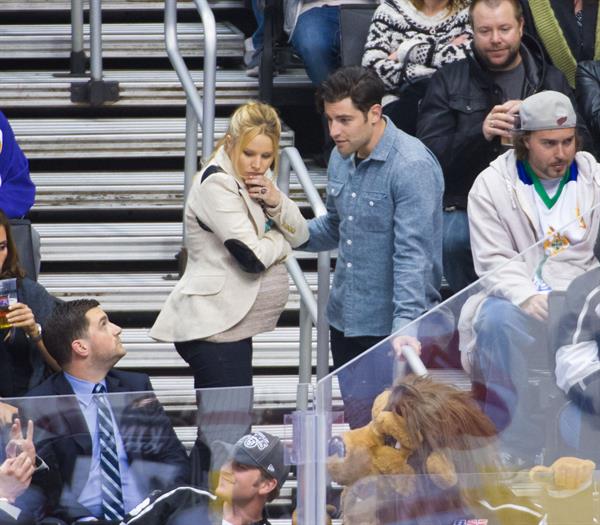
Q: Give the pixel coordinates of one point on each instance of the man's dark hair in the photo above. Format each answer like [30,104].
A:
[516,5]
[66,323]
[521,151]
[361,85]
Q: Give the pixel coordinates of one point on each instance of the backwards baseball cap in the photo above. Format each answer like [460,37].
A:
[547,110]
[262,450]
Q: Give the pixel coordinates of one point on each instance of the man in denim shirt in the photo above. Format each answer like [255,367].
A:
[384,215]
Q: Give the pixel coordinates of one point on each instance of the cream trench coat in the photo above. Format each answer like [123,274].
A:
[215,293]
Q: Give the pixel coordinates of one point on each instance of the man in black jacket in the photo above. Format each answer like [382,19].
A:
[469,111]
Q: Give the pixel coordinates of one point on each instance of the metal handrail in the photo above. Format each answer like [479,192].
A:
[311,312]
[199,110]
[77,51]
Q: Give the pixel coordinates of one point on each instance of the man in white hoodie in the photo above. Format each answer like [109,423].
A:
[543,189]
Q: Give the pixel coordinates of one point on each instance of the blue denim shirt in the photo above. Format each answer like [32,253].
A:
[385,218]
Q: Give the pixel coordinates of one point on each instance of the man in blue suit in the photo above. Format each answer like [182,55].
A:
[106,438]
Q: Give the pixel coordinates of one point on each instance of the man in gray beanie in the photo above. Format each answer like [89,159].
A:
[541,189]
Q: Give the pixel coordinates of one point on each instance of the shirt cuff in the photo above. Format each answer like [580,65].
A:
[10,509]
[400,322]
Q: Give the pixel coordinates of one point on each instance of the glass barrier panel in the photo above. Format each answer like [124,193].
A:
[170,456]
[505,417]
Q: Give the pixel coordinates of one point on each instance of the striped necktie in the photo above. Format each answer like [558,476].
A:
[112,493]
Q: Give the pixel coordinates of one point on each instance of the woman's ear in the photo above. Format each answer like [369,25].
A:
[228,143]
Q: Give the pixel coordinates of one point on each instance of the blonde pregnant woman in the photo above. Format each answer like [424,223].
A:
[240,229]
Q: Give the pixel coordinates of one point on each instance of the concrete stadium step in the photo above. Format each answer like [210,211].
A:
[110,137]
[131,291]
[141,40]
[115,241]
[275,349]
[65,5]
[137,88]
[140,190]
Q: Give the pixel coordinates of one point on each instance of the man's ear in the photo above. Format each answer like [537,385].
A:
[267,486]
[80,348]
[375,113]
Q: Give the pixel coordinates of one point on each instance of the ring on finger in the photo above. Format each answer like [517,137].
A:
[263,190]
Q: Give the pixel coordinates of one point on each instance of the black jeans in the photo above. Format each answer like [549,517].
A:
[224,414]
[362,382]
[218,364]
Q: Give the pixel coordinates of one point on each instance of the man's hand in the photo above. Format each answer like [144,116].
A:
[19,444]
[536,306]
[405,340]
[7,413]
[15,476]
[501,120]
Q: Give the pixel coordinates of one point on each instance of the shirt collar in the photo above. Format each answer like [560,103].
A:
[383,147]
[83,389]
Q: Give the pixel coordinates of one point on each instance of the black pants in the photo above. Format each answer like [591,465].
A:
[218,364]
[363,381]
[223,413]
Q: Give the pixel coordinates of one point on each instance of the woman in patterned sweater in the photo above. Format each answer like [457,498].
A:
[408,40]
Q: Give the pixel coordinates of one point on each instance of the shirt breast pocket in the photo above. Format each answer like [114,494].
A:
[334,194]
[376,211]
[468,107]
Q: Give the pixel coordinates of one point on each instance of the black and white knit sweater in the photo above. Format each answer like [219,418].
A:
[398,26]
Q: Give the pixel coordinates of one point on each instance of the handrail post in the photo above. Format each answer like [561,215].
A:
[291,157]
[78,58]
[210,77]
[305,357]
[96,91]
[96,40]
[323,269]
[199,111]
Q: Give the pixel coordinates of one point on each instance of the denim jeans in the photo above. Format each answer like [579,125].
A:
[457,257]
[511,346]
[258,35]
[316,38]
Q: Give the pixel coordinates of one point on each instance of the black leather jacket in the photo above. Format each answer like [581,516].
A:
[451,115]
[587,81]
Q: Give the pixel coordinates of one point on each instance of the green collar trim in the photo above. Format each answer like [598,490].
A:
[539,187]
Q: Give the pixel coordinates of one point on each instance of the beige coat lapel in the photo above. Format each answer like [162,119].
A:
[255,210]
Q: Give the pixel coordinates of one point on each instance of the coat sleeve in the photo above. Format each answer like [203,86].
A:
[219,206]
[384,38]
[17,191]
[289,221]
[588,94]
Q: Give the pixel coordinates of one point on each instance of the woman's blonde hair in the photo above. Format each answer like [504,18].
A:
[247,122]
[453,5]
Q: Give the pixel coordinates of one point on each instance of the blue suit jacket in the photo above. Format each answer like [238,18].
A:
[156,457]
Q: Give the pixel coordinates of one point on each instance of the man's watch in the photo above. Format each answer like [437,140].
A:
[35,338]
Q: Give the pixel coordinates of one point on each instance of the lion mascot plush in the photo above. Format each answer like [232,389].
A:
[421,436]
